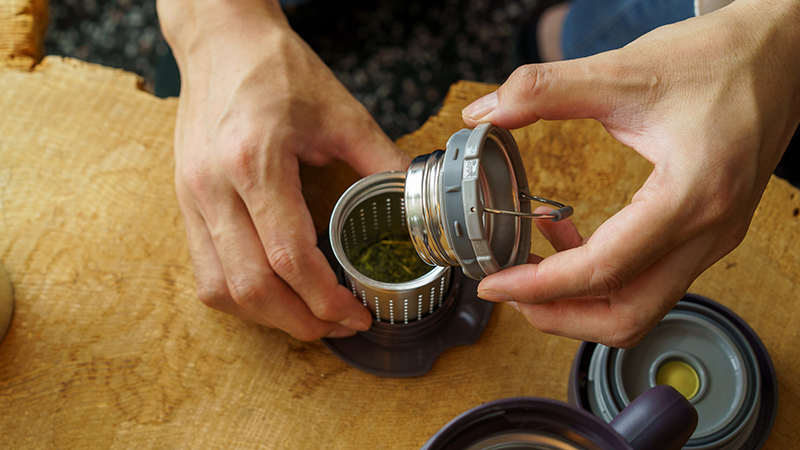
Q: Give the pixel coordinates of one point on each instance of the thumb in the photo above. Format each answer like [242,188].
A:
[574,89]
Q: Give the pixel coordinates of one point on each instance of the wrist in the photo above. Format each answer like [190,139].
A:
[770,51]
[773,27]
[191,24]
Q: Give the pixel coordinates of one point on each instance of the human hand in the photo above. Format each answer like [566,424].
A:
[712,102]
[255,102]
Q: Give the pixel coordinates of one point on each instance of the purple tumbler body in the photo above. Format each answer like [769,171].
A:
[660,419]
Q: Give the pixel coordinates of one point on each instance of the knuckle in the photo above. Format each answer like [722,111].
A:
[534,80]
[287,261]
[213,295]
[193,176]
[247,293]
[327,311]
[606,279]
[525,72]
[531,78]
[241,155]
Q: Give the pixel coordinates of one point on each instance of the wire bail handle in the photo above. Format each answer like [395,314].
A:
[556,215]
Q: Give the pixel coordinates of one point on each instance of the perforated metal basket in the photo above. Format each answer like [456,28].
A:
[368,210]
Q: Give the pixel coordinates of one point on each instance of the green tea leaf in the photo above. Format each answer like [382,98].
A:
[392,259]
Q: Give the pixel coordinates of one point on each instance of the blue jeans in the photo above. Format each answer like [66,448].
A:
[595,26]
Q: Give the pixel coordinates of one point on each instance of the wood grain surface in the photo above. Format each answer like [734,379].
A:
[22,27]
[110,348]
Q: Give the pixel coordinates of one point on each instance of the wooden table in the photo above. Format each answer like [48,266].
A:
[110,348]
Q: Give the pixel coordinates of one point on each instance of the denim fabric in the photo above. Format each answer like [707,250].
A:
[595,26]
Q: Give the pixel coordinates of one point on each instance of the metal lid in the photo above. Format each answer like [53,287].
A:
[447,196]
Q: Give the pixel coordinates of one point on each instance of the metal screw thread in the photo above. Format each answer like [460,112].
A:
[424,211]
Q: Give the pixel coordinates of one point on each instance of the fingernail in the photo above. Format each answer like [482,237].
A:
[357,323]
[481,107]
[513,305]
[340,333]
[495,296]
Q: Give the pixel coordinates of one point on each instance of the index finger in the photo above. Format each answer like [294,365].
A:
[287,233]
[573,89]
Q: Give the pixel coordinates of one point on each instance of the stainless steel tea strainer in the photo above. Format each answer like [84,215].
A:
[368,210]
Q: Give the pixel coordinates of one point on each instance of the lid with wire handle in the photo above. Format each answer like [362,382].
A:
[465,205]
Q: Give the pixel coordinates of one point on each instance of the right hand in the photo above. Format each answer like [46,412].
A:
[711,103]
[256,102]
